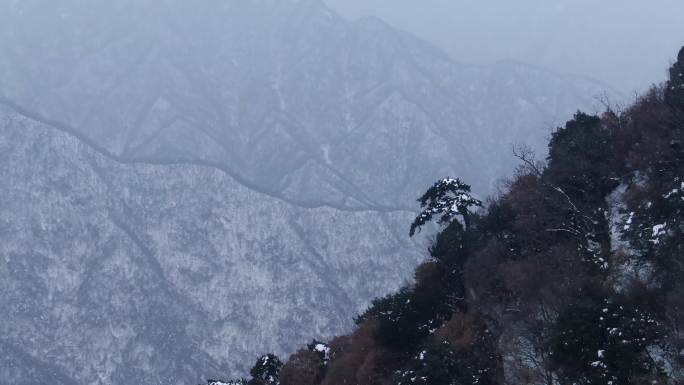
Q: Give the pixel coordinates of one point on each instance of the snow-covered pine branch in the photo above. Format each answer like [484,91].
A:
[448,199]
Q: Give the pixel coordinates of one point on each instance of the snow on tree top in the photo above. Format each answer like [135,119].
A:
[323,350]
[449,198]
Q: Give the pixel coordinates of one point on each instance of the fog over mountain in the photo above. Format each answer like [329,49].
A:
[621,42]
[182,182]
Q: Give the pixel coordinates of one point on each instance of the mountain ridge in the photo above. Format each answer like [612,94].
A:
[312,138]
[156,245]
[158,162]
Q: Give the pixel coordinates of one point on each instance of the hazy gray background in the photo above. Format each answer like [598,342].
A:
[622,42]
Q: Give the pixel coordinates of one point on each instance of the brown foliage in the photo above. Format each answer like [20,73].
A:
[648,130]
[459,331]
[303,368]
[358,359]
[508,281]
[484,280]
[339,346]
[427,273]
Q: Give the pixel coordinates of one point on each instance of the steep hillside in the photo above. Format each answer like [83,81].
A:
[572,276]
[127,273]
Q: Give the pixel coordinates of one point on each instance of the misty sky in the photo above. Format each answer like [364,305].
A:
[626,43]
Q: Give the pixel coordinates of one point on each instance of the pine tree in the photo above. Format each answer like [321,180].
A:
[448,198]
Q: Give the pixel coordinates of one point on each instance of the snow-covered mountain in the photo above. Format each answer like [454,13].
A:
[287,96]
[120,273]
[181,182]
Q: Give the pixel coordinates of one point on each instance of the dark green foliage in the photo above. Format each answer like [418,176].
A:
[266,370]
[407,317]
[498,224]
[439,363]
[387,306]
[450,245]
[448,199]
[580,158]
[602,338]
[445,289]
[674,91]
[401,324]
[582,171]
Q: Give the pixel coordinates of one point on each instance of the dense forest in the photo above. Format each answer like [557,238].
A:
[572,275]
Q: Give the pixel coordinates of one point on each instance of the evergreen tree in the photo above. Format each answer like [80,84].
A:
[448,198]
[602,339]
[439,363]
[400,324]
[674,91]
[266,371]
[580,158]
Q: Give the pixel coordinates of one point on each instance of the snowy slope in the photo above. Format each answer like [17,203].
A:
[133,273]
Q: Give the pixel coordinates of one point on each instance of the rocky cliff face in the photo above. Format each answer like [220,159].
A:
[182,182]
